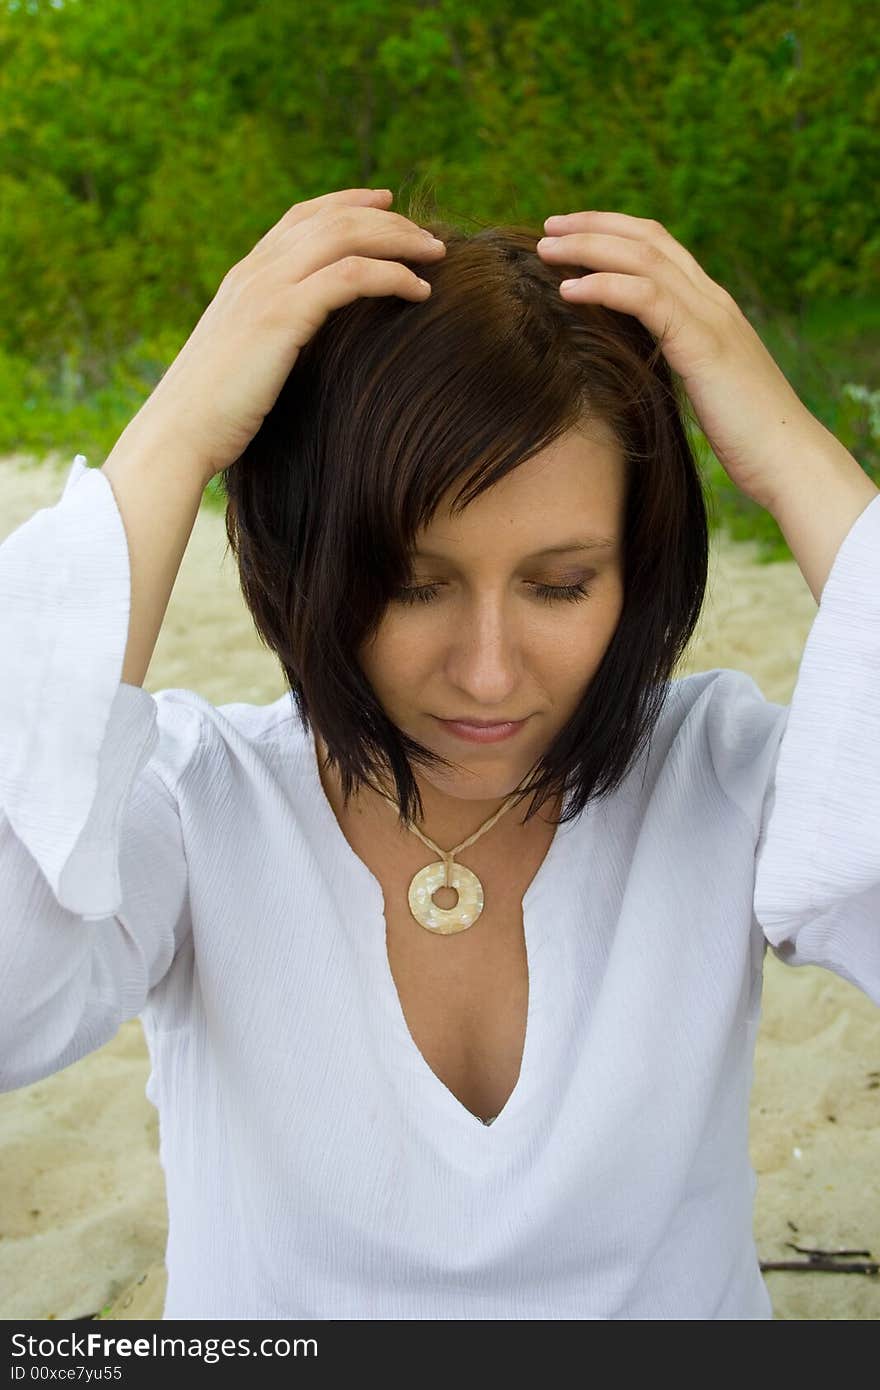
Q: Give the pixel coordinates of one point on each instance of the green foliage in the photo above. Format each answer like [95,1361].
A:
[147,148]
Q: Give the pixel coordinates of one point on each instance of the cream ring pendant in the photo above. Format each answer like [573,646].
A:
[445,873]
[445,920]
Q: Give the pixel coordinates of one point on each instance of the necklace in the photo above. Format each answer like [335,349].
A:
[443,873]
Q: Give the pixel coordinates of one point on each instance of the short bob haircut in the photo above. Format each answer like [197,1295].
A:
[390,403]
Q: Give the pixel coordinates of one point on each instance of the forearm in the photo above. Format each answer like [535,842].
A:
[158,490]
[816,508]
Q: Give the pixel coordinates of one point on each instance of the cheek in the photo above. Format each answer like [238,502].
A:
[581,646]
[395,656]
[405,651]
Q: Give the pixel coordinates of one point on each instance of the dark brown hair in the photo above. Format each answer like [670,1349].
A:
[393,401]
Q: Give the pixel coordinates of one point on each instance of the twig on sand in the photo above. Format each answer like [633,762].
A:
[827,1261]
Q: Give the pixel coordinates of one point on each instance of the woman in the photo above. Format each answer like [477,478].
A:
[420,1050]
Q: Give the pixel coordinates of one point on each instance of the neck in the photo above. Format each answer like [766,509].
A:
[447,819]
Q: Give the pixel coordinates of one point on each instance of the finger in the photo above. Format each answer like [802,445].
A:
[330,237]
[342,282]
[643,229]
[359,197]
[630,294]
[642,258]
[346,196]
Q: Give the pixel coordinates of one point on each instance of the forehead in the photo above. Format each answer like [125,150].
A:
[567,499]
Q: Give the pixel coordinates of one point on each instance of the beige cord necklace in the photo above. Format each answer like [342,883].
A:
[445,874]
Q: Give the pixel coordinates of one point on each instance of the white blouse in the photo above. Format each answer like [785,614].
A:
[165,858]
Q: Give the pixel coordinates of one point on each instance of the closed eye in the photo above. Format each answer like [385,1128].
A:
[550,593]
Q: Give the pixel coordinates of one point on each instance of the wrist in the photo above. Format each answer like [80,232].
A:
[151,436]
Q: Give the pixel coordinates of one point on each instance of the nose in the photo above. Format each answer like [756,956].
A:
[484,662]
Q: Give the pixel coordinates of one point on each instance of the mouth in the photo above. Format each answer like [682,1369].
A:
[481,732]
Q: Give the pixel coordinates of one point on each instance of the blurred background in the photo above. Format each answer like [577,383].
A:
[146,148]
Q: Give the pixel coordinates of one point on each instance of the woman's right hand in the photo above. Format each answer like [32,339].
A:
[321,254]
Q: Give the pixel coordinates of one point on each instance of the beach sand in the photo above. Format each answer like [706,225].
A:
[83,1221]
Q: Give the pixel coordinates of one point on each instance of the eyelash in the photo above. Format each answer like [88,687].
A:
[550,593]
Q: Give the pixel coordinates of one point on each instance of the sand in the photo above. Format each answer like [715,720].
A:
[83,1220]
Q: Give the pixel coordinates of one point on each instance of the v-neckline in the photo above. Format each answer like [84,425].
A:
[536,929]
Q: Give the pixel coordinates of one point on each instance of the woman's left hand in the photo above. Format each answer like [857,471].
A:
[746,407]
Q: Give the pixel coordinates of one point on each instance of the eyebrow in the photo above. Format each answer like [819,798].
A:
[567,548]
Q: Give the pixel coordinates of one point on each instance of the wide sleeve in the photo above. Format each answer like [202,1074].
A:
[94,894]
[816,763]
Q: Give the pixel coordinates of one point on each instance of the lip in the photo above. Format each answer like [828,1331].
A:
[481,733]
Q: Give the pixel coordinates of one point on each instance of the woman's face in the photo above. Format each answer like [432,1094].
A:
[482,641]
